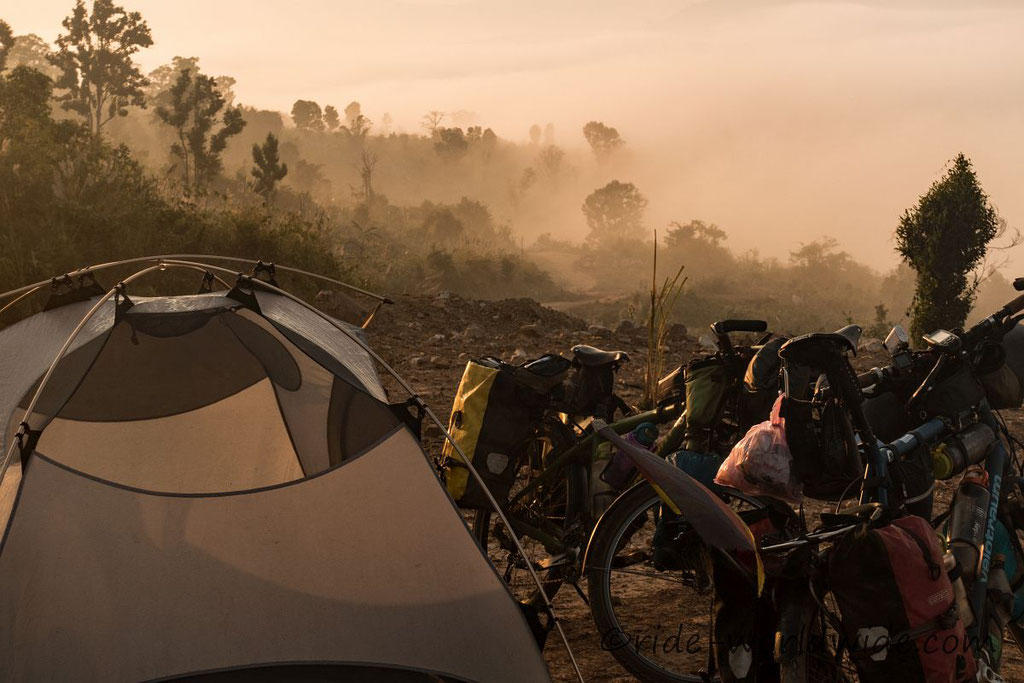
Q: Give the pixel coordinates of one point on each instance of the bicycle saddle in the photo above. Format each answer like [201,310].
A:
[820,349]
[590,356]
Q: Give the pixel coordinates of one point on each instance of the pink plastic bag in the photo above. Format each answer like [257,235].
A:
[760,464]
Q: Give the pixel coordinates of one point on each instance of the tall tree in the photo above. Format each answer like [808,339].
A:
[268,170]
[193,109]
[331,118]
[615,212]
[432,121]
[357,124]
[944,239]
[32,51]
[6,42]
[307,115]
[535,134]
[98,77]
[603,140]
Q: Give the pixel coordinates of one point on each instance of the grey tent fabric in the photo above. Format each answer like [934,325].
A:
[220,489]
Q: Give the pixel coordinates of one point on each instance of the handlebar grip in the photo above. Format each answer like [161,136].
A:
[726,326]
[1015,306]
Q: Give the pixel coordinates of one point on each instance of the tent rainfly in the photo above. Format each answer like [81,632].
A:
[212,487]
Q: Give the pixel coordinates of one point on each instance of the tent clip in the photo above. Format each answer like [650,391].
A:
[266,269]
[206,286]
[246,298]
[122,303]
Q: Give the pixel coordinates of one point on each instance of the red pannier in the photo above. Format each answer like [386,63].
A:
[898,610]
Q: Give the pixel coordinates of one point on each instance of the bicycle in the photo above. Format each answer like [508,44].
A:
[550,506]
[804,599]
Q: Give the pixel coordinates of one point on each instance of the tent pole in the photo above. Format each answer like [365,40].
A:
[71,338]
[144,259]
[60,354]
[27,293]
[444,430]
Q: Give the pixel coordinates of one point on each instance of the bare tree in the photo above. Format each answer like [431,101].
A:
[368,163]
[432,121]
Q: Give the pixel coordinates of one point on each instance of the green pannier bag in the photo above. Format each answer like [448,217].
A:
[706,383]
[493,420]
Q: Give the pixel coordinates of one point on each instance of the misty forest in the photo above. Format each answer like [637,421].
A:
[101,161]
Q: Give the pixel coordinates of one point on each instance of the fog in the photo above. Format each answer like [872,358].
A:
[779,121]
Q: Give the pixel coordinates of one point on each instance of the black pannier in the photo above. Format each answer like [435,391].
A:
[494,417]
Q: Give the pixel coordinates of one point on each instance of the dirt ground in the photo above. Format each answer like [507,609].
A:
[428,340]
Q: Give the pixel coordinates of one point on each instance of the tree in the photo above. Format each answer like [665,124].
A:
[944,238]
[615,212]
[32,51]
[432,121]
[694,233]
[307,115]
[331,118]
[194,104]
[535,134]
[98,78]
[451,143]
[268,170]
[551,160]
[163,78]
[368,163]
[358,124]
[443,225]
[603,140]
[6,42]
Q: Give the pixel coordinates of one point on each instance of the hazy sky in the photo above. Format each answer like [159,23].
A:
[780,121]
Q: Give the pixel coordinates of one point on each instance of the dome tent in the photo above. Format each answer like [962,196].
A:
[214,484]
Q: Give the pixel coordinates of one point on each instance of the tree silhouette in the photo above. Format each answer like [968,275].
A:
[451,143]
[944,238]
[331,118]
[535,134]
[615,212]
[268,170]
[194,103]
[432,121]
[98,78]
[6,42]
[32,51]
[307,115]
[603,140]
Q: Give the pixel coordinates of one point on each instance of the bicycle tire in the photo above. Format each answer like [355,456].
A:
[570,511]
[606,542]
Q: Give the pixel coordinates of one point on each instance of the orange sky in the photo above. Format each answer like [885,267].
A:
[780,121]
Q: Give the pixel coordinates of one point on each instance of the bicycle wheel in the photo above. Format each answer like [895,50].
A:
[551,522]
[815,659]
[657,624]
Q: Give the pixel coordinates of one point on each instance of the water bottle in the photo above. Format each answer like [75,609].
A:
[963,604]
[965,536]
[620,468]
[969,447]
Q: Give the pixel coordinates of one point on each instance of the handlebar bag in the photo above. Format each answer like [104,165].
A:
[1003,387]
[493,419]
[899,618]
[954,395]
